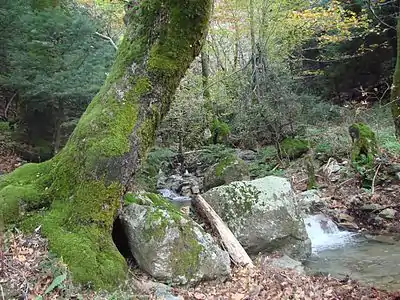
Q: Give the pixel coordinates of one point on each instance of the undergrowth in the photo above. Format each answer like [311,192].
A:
[157,159]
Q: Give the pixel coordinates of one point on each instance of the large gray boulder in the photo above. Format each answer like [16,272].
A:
[263,215]
[168,245]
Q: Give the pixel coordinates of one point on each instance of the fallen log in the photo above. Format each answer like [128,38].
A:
[231,244]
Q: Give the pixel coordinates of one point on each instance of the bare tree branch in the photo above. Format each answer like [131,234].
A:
[8,105]
[376,16]
[107,38]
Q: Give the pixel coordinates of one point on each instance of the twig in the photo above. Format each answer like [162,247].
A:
[285,276]
[369,4]
[346,181]
[275,168]
[2,292]
[8,105]
[107,38]
[385,207]
[302,180]
[373,180]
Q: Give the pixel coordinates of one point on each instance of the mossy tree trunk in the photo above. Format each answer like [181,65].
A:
[82,186]
[395,95]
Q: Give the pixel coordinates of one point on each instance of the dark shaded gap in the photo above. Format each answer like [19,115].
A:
[121,241]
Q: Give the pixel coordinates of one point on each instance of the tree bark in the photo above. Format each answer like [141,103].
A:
[254,80]
[81,188]
[57,125]
[205,74]
[395,94]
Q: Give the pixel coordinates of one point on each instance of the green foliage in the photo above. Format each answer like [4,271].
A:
[4,127]
[323,148]
[157,159]
[265,163]
[389,142]
[212,154]
[219,130]
[186,121]
[315,111]
[56,55]
[56,64]
[328,140]
[55,283]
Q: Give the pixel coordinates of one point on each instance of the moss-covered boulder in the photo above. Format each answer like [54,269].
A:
[364,146]
[226,171]
[168,245]
[293,148]
[263,215]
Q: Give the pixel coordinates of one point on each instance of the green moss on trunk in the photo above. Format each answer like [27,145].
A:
[364,146]
[311,178]
[82,186]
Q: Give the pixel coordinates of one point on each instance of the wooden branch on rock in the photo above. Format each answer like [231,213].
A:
[231,244]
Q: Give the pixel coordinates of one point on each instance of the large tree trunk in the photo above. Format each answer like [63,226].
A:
[81,187]
[395,95]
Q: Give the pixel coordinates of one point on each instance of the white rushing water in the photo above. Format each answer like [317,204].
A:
[324,234]
[342,253]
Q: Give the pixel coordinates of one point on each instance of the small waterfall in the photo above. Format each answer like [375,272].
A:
[324,234]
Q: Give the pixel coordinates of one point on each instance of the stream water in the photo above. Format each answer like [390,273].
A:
[342,253]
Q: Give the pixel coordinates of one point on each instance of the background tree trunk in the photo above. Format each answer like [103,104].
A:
[395,95]
[82,186]
[254,81]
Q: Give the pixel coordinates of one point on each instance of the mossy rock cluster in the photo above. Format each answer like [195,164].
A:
[293,148]
[227,170]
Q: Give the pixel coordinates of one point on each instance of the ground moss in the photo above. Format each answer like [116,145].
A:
[14,200]
[32,220]
[23,190]
[293,148]
[365,147]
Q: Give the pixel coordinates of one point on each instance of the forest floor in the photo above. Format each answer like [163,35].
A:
[353,207]
[28,271]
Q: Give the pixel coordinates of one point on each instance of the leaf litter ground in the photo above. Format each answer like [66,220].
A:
[28,271]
